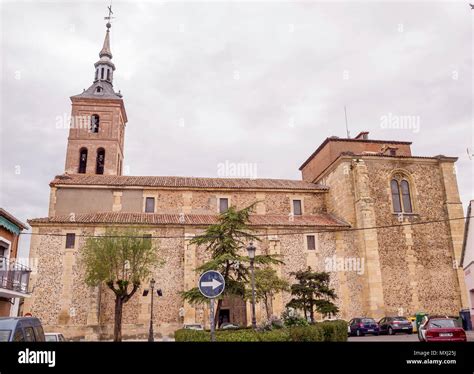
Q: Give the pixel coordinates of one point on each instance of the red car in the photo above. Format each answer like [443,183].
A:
[441,329]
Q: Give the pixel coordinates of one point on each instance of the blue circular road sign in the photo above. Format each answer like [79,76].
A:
[211,284]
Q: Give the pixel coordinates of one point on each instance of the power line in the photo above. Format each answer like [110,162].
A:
[350,229]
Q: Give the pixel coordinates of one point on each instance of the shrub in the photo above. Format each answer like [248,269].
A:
[329,331]
[277,335]
[241,335]
[186,335]
[340,330]
[273,323]
[292,318]
[313,333]
[276,323]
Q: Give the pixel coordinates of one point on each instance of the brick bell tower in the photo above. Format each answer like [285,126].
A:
[98,119]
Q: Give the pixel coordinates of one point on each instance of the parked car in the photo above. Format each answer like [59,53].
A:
[362,326]
[229,326]
[54,337]
[194,326]
[441,329]
[21,329]
[392,325]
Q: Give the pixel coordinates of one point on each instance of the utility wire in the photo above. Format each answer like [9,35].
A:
[350,229]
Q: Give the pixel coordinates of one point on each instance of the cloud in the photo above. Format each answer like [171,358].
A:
[207,82]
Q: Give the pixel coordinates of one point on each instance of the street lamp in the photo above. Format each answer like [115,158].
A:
[251,252]
[145,293]
[150,333]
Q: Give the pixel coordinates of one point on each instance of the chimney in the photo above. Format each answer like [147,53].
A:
[364,135]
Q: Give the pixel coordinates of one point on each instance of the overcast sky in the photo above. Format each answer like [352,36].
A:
[261,83]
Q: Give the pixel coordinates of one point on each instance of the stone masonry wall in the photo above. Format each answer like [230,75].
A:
[417,261]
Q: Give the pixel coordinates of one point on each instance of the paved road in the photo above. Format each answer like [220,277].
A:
[385,338]
[396,338]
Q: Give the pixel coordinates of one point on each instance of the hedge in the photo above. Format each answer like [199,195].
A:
[329,331]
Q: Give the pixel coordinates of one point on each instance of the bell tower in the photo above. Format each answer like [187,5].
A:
[98,119]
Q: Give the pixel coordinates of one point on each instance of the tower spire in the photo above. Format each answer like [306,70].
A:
[104,68]
[102,86]
[106,47]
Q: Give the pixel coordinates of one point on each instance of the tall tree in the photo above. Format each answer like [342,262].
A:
[226,241]
[267,285]
[313,292]
[121,259]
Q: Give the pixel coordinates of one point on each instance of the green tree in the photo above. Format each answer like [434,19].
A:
[225,240]
[121,259]
[313,292]
[267,284]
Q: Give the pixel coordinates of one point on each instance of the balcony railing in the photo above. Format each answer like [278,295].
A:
[13,275]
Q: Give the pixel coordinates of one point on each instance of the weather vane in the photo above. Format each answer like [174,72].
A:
[109,18]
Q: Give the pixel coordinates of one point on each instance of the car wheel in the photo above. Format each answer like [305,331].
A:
[358,333]
[390,331]
[410,332]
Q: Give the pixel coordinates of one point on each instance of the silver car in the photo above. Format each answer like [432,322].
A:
[54,337]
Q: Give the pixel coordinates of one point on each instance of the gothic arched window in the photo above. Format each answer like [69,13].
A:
[99,168]
[95,121]
[401,195]
[397,206]
[82,160]
[405,187]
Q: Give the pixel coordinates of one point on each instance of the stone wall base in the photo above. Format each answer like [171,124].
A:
[105,332]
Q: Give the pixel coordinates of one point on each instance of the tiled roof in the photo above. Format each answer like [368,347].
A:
[184,182]
[107,92]
[438,157]
[188,219]
[337,139]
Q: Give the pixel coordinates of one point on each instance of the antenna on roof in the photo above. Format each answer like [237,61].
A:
[347,126]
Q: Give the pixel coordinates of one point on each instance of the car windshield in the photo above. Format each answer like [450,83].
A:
[51,338]
[368,320]
[5,335]
[443,323]
[400,319]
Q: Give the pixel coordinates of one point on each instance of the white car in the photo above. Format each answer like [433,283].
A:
[54,337]
[195,326]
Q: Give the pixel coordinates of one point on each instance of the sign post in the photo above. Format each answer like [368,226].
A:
[211,285]
[211,320]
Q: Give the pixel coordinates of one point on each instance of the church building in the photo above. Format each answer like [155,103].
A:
[359,201]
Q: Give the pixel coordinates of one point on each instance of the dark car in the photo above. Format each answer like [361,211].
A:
[441,329]
[362,326]
[392,325]
[21,329]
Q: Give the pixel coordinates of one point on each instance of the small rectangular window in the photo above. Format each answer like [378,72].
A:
[223,205]
[311,242]
[297,211]
[70,240]
[150,205]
